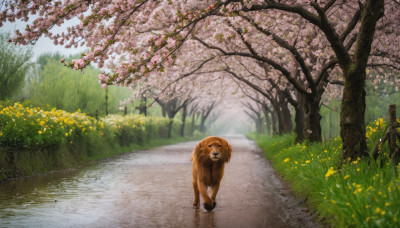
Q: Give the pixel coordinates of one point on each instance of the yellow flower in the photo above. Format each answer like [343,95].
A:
[367,219]
[383,212]
[286,160]
[333,201]
[329,172]
[378,210]
[357,191]
[387,204]
[308,161]
[40,132]
[66,134]
[345,177]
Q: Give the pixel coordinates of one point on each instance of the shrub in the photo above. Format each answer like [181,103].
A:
[33,140]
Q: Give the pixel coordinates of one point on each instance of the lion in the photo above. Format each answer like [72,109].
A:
[209,158]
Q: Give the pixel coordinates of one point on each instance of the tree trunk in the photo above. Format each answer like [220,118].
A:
[257,123]
[274,119]
[163,111]
[352,125]
[143,106]
[261,123]
[182,130]
[202,125]
[279,116]
[193,124]
[170,124]
[312,116]
[286,116]
[268,124]
[299,118]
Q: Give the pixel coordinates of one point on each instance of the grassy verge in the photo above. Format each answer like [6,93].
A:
[33,140]
[363,193]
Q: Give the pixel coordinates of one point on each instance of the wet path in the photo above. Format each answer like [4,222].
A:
[153,189]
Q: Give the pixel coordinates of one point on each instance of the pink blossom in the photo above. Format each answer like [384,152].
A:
[171,42]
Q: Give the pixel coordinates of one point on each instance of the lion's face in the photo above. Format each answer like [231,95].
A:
[217,149]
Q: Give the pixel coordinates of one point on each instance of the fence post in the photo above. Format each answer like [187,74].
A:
[394,149]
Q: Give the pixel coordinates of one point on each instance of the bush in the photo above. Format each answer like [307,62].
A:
[33,140]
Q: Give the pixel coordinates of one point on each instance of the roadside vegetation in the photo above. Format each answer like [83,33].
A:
[35,140]
[361,193]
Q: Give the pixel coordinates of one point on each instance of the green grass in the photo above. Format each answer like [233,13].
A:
[363,193]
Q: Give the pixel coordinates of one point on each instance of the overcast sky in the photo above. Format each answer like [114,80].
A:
[44,44]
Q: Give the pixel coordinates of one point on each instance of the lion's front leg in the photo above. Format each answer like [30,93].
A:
[213,193]
[196,202]
[207,202]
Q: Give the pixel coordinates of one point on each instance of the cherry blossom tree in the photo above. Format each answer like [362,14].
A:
[318,39]
[354,61]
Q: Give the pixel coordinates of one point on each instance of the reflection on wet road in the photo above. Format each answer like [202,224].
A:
[153,189]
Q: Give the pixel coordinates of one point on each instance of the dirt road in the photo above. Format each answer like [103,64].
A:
[153,189]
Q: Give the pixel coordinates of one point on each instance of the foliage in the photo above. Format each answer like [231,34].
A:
[14,64]
[361,193]
[69,90]
[34,140]
[24,127]
[139,128]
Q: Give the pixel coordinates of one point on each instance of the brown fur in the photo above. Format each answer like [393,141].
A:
[209,158]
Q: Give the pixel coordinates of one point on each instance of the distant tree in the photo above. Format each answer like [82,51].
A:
[71,90]
[14,64]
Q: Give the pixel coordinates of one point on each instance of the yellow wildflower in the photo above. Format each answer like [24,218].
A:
[308,161]
[333,201]
[378,210]
[345,177]
[329,172]
[286,160]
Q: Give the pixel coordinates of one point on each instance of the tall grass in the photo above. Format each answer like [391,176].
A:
[363,193]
